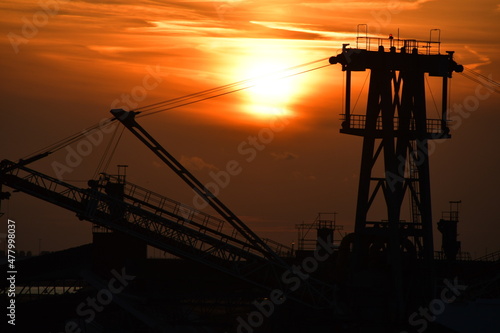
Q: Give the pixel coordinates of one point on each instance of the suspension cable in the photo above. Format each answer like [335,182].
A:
[484,84]
[176,103]
[72,138]
[360,92]
[114,150]
[484,77]
[221,94]
[198,97]
[432,96]
[220,91]
[106,152]
[152,107]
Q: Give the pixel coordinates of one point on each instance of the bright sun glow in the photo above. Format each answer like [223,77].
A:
[271,92]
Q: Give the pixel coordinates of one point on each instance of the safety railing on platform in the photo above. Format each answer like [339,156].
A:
[408,45]
[358,121]
[169,232]
[72,198]
[160,205]
[49,183]
[280,249]
[38,289]
[163,203]
[461,256]
[494,256]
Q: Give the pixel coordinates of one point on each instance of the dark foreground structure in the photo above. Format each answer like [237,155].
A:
[384,277]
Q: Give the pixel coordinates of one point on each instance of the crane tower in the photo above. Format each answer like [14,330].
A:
[395,131]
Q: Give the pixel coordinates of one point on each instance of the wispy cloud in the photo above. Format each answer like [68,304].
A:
[368,5]
[314,31]
[196,163]
[482,59]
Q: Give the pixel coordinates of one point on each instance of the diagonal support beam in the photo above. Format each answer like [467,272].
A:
[127,118]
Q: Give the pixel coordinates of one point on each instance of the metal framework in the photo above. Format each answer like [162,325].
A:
[323,226]
[395,131]
[127,118]
[40,289]
[450,246]
[167,225]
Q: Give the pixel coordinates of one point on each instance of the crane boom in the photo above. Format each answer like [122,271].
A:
[168,226]
[127,118]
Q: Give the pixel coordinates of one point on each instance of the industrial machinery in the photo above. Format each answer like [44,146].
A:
[395,131]
[167,225]
[377,275]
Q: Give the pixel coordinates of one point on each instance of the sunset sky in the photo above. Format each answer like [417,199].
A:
[65,64]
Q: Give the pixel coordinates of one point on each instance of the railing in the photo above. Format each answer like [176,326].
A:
[163,204]
[166,231]
[358,121]
[160,205]
[280,249]
[49,183]
[461,256]
[422,47]
[450,216]
[494,256]
[38,289]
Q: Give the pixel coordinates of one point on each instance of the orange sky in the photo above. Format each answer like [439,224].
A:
[66,63]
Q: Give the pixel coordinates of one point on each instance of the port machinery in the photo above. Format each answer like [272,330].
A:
[395,130]
[379,273]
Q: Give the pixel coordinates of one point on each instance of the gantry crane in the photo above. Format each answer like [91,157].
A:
[227,245]
[396,131]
